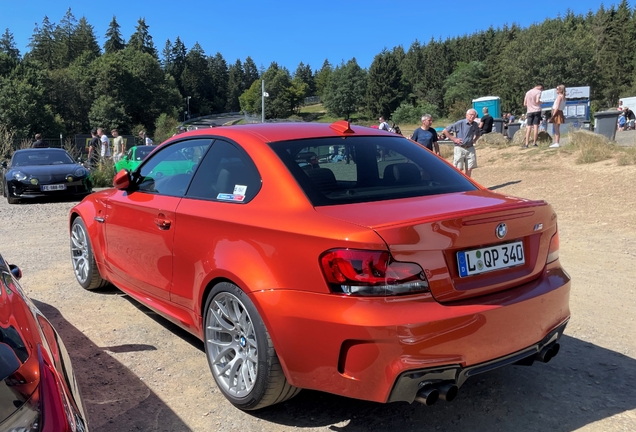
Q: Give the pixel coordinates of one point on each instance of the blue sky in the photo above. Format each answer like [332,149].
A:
[290,32]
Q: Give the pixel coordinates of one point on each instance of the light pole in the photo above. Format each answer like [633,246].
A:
[188,100]
[264,94]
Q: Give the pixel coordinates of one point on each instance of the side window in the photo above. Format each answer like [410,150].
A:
[226,174]
[169,170]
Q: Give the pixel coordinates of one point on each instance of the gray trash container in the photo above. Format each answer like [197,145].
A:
[605,123]
[497,125]
[513,128]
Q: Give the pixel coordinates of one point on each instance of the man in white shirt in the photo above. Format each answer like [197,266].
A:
[383,124]
[105,150]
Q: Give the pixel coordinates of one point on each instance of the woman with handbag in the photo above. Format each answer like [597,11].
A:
[557,118]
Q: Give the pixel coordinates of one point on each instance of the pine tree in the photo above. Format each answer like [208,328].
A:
[85,39]
[114,40]
[66,50]
[141,40]
[42,44]
[384,90]
[219,76]
[322,77]
[251,72]
[7,46]
[305,75]
[346,90]
[235,86]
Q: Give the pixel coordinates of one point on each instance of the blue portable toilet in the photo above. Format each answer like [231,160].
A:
[493,103]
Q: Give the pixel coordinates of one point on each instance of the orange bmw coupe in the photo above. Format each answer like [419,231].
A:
[329,257]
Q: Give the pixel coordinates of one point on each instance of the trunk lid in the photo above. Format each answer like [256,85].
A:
[431,231]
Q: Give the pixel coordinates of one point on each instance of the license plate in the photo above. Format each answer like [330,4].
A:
[490,258]
[55,187]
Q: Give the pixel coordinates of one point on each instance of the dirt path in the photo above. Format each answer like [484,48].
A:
[137,372]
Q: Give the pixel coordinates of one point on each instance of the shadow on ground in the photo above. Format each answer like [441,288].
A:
[583,384]
[115,398]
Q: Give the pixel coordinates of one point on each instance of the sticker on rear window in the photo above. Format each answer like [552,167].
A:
[240,189]
[230,197]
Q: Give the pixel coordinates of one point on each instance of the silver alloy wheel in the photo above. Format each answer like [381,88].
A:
[231,345]
[79,253]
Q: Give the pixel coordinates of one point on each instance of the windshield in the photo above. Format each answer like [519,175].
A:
[142,152]
[41,157]
[365,169]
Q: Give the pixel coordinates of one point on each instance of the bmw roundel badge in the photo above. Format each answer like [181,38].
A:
[501,230]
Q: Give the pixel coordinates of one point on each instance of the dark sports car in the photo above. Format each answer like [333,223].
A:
[46,172]
[38,391]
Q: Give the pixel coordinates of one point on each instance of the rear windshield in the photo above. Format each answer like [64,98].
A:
[365,169]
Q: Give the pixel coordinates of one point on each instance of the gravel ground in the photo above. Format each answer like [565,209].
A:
[137,372]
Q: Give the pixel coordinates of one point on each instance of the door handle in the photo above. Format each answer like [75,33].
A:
[163,222]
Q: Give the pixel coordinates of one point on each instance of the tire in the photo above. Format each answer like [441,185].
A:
[240,352]
[82,258]
[12,200]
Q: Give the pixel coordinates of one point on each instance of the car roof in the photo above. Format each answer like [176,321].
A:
[273,132]
[40,149]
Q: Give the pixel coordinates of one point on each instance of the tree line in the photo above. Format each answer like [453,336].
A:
[68,84]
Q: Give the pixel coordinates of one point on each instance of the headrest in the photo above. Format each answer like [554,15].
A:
[402,173]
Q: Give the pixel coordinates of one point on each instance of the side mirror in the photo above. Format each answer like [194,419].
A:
[122,180]
[15,271]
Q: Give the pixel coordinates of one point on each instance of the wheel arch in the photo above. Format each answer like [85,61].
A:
[87,213]
[203,300]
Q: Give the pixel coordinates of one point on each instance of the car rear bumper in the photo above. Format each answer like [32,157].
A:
[364,347]
[409,383]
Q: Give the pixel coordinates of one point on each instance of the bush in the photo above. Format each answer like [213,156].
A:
[408,114]
[102,175]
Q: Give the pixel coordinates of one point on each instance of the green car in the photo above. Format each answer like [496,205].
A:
[133,157]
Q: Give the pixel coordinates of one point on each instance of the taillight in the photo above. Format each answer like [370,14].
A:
[553,252]
[371,273]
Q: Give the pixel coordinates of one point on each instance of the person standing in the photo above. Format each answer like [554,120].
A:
[144,138]
[629,118]
[105,142]
[38,143]
[383,124]
[557,117]
[533,117]
[466,133]
[485,125]
[93,152]
[119,147]
[426,135]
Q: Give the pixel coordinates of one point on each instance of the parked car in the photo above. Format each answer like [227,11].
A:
[133,157]
[384,280]
[44,172]
[38,390]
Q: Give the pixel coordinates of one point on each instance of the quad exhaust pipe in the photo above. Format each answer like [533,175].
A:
[428,395]
[448,390]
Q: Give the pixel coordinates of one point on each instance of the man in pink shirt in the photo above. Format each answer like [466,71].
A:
[533,118]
